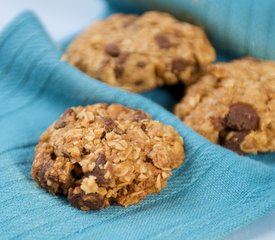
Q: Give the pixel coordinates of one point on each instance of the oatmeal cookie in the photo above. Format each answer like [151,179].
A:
[233,104]
[139,53]
[106,154]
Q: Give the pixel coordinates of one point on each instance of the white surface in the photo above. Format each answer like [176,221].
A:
[62,18]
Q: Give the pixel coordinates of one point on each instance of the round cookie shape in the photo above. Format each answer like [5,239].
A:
[233,104]
[139,53]
[106,154]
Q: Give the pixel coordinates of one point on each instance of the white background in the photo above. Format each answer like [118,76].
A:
[62,18]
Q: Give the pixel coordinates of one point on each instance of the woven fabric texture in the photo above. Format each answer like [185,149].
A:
[212,194]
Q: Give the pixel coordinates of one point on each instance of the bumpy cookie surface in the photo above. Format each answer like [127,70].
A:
[233,104]
[141,52]
[103,154]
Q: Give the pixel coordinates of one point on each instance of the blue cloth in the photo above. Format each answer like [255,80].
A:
[211,195]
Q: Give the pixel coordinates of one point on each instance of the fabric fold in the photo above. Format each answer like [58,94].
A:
[213,193]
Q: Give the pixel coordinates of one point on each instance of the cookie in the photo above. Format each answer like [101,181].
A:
[140,53]
[106,154]
[233,104]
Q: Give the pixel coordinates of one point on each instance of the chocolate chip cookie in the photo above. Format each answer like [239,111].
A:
[139,53]
[233,104]
[106,154]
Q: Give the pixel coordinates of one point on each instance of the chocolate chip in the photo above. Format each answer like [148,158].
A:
[112,49]
[41,174]
[234,141]
[69,112]
[75,199]
[85,151]
[103,135]
[162,41]
[149,160]
[59,124]
[53,179]
[101,160]
[140,115]
[98,172]
[143,127]
[122,58]
[62,122]
[93,201]
[141,64]
[109,124]
[139,82]
[179,64]
[77,172]
[53,156]
[241,116]
[119,70]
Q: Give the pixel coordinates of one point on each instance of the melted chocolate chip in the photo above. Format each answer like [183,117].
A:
[143,127]
[75,199]
[85,151]
[149,160]
[179,64]
[98,172]
[69,112]
[93,201]
[53,179]
[162,41]
[112,49]
[241,117]
[141,64]
[110,125]
[234,141]
[101,160]
[140,115]
[53,156]
[42,172]
[77,172]
[103,135]
[119,70]
[60,124]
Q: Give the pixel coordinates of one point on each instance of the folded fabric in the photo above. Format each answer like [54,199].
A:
[244,27]
[212,194]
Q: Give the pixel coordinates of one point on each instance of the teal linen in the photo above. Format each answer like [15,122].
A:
[212,194]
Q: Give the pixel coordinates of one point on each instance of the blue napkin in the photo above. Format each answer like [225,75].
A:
[211,195]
